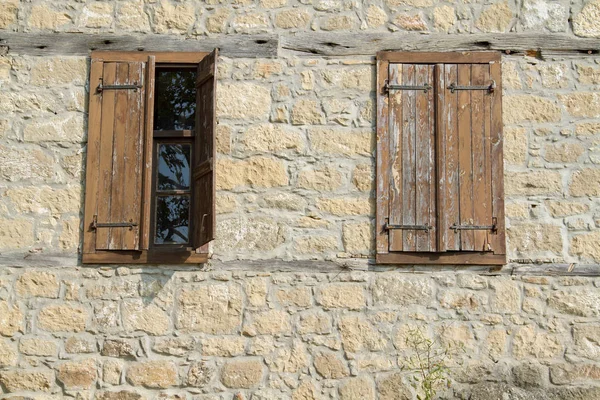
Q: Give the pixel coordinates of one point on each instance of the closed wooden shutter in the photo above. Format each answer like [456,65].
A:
[203,208]
[471,208]
[412,220]
[439,159]
[115,154]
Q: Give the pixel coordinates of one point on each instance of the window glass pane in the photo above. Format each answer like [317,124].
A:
[172,219]
[173,167]
[175,99]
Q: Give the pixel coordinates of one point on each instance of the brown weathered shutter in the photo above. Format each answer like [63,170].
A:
[412,194]
[113,200]
[470,196]
[203,209]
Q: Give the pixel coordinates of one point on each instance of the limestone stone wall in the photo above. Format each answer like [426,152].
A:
[295,168]
[128,333]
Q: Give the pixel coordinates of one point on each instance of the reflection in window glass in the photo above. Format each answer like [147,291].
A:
[172,219]
[173,167]
[175,99]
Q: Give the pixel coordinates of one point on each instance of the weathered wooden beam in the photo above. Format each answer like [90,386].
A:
[80,44]
[351,44]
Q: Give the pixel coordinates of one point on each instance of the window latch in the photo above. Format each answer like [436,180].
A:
[96,224]
[490,88]
[492,227]
[387,87]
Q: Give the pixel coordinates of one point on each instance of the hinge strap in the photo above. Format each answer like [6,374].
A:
[387,87]
[102,87]
[96,224]
[388,227]
[490,88]
[492,227]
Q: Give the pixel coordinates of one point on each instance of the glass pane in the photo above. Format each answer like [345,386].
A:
[175,99]
[173,167]
[172,219]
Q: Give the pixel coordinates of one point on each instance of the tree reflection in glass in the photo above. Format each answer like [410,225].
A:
[172,219]
[175,100]
[173,167]
[173,194]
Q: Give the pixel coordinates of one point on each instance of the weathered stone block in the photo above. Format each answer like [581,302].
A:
[153,374]
[358,334]
[37,284]
[272,322]
[361,388]
[340,142]
[330,366]
[587,22]
[77,374]
[526,108]
[27,380]
[532,183]
[586,246]
[289,19]
[341,295]
[585,182]
[402,290]
[243,101]
[345,206]
[322,179]
[8,355]
[223,346]
[62,318]
[214,309]
[529,238]
[495,18]
[584,302]
[580,104]
[271,138]
[34,346]
[147,318]
[242,374]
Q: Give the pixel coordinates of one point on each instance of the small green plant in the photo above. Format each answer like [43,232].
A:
[429,363]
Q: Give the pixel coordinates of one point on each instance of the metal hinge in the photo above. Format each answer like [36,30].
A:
[490,88]
[102,87]
[388,227]
[96,224]
[387,87]
[492,227]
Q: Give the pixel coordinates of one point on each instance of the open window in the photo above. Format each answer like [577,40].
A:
[150,191]
[439,159]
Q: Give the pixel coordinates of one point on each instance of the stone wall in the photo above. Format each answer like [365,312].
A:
[128,333]
[295,168]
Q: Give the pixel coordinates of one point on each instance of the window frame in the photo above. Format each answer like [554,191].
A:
[383,159]
[148,253]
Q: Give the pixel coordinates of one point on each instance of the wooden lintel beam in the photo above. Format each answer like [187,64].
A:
[81,44]
[351,44]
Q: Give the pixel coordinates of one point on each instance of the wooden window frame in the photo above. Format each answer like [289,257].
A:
[149,254]
[383,254]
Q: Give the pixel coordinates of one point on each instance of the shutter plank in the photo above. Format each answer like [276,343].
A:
[497,161]
[93,156]
[409,172]
[148,144]
[115,239]
[481,189]
[424,159]
[395,168]
[106,149]
[133,155]
[383,158]
[432,163]
[441,140]
[450,190]
[465,171]
[203,211]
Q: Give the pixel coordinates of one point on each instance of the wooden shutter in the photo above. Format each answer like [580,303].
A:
[203,208]
[439,159]
[113,200]
[412,214]
[470,193]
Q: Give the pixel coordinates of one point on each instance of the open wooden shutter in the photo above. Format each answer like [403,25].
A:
[203,175]
[113,200]
[412,213]
[470,197]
